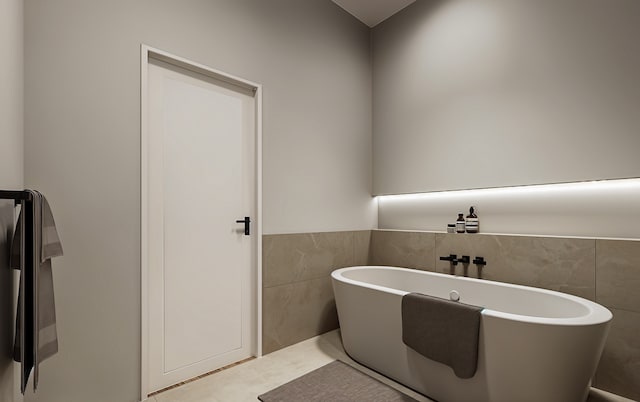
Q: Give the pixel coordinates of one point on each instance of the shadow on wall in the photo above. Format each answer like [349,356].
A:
[328,318]
[7,297]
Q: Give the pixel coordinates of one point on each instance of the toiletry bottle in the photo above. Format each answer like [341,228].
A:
[451,228]
[472,223]
[460,223]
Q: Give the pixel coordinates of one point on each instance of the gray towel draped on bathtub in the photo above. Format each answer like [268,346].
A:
[48,246]
[443,331]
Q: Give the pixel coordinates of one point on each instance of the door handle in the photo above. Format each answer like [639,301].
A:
[246,222]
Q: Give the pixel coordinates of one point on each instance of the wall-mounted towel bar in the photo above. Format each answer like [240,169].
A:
[15,195]
[35,303]
[27,284]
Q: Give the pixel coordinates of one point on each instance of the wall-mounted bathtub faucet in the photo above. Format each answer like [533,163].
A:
[452,258]
[479,261]
[465,259]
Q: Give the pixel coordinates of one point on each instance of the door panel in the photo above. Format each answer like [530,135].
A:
[201,157]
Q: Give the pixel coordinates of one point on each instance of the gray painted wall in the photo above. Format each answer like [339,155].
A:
[11,95]
[82,147]
[11,175]
[471,94]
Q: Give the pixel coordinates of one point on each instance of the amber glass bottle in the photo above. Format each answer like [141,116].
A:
[460,223]
[472,224]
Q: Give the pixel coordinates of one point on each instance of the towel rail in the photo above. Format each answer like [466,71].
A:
[27,363]
[15,195]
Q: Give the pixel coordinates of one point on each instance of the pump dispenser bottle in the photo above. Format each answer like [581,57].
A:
[472,223]
[460,223]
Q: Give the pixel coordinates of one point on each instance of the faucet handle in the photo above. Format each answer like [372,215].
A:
[464,259]
[479,261]
[452,258]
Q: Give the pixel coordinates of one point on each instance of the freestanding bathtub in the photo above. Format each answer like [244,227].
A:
[535,344]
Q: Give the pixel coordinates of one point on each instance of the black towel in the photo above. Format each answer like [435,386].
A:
[443,331]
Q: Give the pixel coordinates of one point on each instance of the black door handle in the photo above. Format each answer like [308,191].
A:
[246,222]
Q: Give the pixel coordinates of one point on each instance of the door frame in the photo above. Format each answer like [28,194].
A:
[147,52]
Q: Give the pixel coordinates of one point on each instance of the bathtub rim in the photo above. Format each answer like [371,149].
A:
[597,314]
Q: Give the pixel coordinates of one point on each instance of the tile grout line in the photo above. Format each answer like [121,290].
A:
[315,277]
[626,310]
[293,283]
[595,298]
[595,270]
[353,248]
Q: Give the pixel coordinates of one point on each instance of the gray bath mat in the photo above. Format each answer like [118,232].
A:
[335,382]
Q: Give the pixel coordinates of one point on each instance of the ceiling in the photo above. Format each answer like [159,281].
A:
[372,12]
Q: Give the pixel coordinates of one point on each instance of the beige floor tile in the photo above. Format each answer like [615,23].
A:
[248,380]
[243,383]
[188,392]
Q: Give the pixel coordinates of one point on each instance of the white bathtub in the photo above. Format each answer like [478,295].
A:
[535,344]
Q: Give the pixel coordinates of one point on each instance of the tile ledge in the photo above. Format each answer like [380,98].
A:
[510,234]
[316,232]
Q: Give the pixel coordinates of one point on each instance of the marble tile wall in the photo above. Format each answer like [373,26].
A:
[297,296]
[618,288]
[561,264]
[298,299]
[403,249]
[607,271]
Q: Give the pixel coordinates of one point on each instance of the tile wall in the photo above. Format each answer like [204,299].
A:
[606,271]
[298,299]
[618,288]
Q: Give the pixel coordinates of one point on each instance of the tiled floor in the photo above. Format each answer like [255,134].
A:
[248,380]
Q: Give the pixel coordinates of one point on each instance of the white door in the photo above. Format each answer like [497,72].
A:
[201,179]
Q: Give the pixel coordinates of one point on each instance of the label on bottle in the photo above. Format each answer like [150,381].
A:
[460,226]
[472,225]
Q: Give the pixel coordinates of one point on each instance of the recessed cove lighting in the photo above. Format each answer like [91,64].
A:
[618,184]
